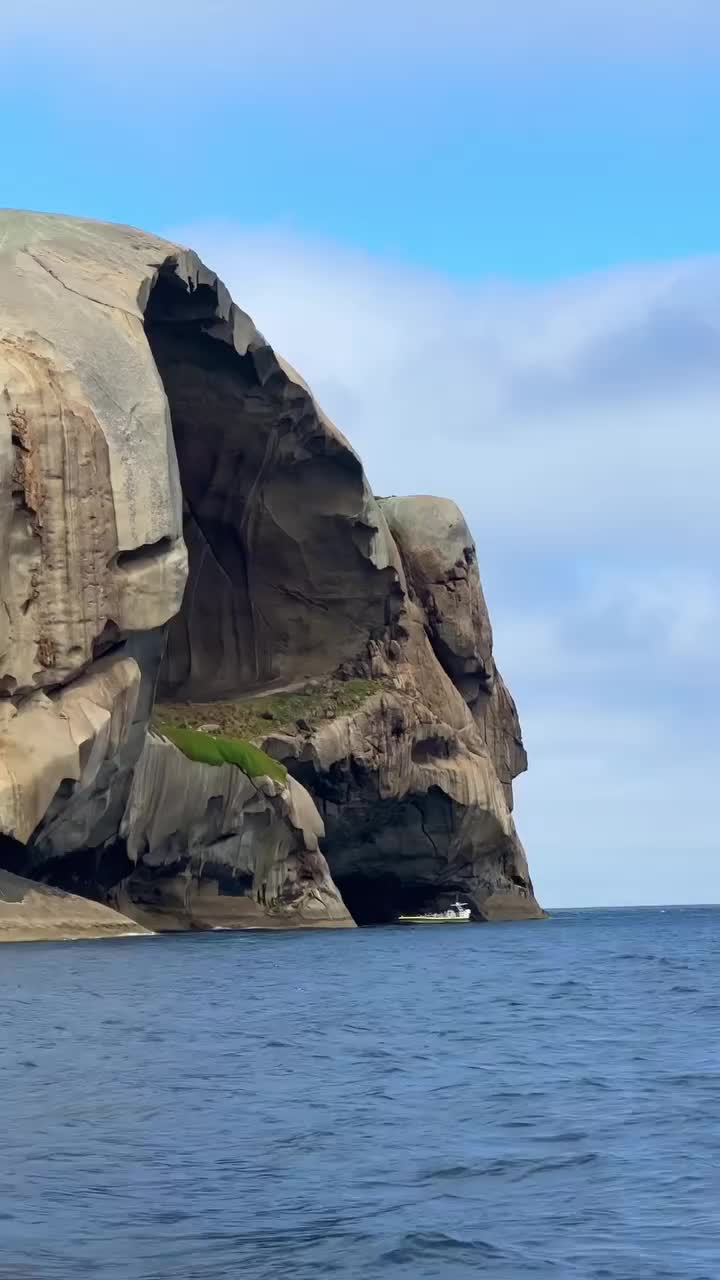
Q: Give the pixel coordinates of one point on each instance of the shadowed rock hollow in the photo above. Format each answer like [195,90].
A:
[291,564]
[185,536]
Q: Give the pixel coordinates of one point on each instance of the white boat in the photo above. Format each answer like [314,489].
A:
[458,913]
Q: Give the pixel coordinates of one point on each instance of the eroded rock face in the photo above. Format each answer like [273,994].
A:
[63,741]
[90,511]
[290,557]
[145,423]
[213,848]
[413,807]
[92,557]
[441,564]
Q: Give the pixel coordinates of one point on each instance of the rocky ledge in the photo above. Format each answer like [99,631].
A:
[31,912]
[236,689]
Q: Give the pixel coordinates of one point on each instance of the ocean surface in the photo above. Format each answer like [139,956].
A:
[537,1099]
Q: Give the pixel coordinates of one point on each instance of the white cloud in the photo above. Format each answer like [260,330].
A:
[577,426]
[669,613]
[564,407]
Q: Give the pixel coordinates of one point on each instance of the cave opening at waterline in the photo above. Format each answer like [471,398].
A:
[388,857]
[381,898]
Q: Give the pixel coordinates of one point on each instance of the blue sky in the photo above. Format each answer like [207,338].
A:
[473,138]
[488,234]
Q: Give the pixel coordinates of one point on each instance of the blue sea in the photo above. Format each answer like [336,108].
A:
[537,1099]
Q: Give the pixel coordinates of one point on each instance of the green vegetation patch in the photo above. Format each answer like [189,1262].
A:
[255,718]
[205,748]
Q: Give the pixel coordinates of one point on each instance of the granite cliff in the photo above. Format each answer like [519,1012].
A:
[236,689]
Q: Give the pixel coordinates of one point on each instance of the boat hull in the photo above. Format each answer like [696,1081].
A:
[425,920]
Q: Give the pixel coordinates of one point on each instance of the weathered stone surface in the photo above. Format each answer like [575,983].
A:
[63,739]
[291,562]
[31,912]
[145,422]
[214,848]
[413,807]
[91,549]
[440,560]
[92,506]
[90,510]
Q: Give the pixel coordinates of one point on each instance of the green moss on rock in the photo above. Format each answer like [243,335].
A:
[206,748]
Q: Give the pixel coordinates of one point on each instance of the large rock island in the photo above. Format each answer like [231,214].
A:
[236,688]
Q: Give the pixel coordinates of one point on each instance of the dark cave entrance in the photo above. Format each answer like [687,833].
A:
[387,856]
[380,899]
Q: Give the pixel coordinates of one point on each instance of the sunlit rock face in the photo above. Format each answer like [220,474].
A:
[91,509]
[180,522]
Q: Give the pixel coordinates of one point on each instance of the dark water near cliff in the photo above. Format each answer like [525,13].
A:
[538,1099]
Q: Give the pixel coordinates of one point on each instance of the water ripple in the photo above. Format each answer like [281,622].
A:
[374,1105]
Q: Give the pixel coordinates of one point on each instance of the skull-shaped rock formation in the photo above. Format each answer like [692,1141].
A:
[182,529]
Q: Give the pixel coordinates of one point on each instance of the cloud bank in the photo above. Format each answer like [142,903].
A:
[577,426]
